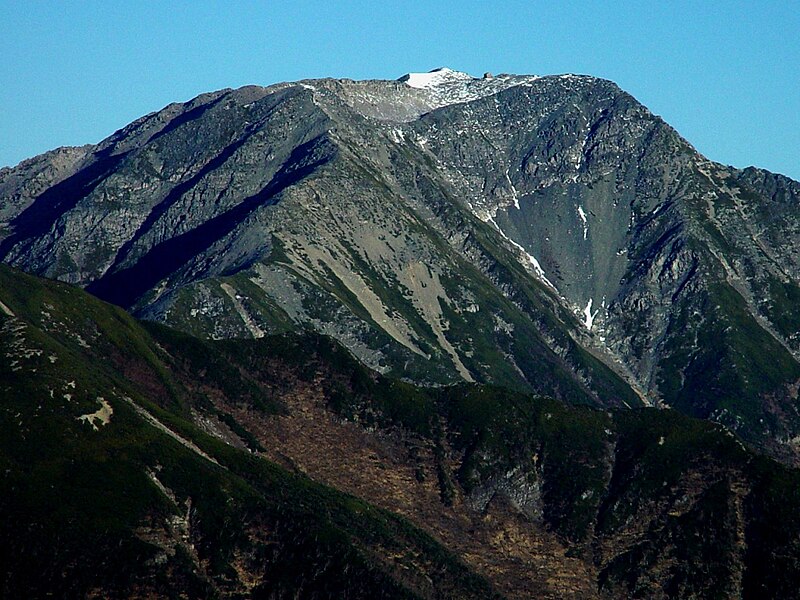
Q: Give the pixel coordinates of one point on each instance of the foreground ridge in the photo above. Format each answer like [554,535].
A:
[280,465]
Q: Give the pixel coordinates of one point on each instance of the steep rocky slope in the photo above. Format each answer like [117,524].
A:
[146,463]
[546,233]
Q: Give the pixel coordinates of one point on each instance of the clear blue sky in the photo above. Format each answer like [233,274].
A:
[726,75]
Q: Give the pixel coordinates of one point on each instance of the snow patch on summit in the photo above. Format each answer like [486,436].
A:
[435,78]
[445,86]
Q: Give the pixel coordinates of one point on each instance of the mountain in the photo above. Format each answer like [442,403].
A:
[139,461]
[111,488]
[548,234]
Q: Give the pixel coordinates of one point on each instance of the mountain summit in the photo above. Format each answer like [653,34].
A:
[442,76]
[546,233]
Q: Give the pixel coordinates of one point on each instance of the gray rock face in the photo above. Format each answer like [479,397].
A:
[547,233]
